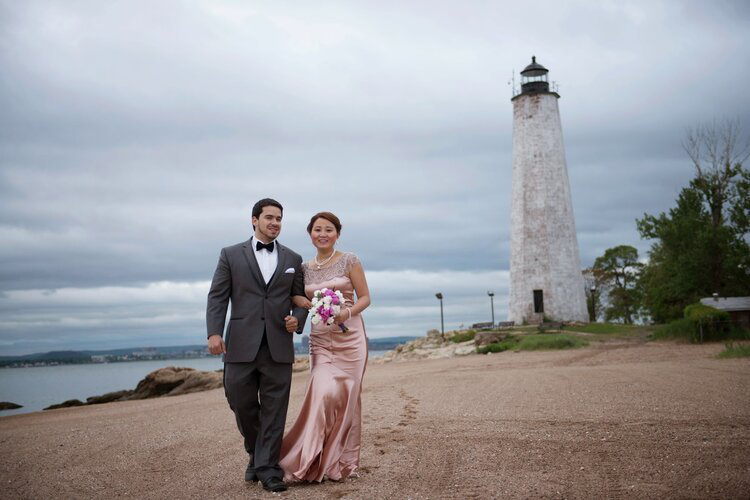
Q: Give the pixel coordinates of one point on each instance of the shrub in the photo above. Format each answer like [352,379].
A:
[715,326]
[708,323]
[463,336]
[677,329]
[702,312]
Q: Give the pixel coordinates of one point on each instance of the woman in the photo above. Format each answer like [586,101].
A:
[324,442]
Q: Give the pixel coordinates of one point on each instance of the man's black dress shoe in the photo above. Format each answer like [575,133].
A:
[274,484]
[250,472]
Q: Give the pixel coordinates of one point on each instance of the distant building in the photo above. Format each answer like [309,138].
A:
[146,353]
[737,307]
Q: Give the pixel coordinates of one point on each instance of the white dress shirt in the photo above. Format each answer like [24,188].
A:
[266,260]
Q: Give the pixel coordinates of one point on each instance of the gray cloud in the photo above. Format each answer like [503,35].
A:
[171,312]
[135,137]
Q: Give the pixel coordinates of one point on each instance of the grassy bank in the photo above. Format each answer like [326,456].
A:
[604,328]
[539,342]
[733,350]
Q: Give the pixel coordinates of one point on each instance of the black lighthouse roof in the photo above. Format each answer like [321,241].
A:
[534,69]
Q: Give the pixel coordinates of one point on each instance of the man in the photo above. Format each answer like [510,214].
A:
[259,277]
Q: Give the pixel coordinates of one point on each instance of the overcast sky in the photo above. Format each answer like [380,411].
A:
[136,136]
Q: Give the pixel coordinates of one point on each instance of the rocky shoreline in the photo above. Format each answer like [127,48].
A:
[436,346]
[168,381]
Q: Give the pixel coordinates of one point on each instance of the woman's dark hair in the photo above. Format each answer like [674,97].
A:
[327,216]
[265,202]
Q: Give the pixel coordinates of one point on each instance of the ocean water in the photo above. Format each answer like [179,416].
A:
[38,387]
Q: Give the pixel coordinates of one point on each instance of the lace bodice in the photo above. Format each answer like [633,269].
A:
[339,269]
[335,277]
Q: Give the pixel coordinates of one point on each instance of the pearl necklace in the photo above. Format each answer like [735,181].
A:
[321,264]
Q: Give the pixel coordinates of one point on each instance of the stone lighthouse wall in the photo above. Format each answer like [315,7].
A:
[544,247]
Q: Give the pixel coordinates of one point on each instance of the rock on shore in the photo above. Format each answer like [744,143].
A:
[169,381]
[108,397]
[66,404]
[7,405]
[432,346]
[172,381]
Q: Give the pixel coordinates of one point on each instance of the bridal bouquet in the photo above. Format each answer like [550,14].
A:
[326,304]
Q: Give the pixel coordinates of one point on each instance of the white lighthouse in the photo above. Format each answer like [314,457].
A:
[545,267]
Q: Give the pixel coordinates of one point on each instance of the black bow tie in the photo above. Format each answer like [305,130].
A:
[260,246]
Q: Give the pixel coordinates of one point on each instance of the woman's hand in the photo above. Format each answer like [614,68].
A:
[301,301]
[342,316]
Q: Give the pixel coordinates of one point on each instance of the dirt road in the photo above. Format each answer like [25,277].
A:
[617,420]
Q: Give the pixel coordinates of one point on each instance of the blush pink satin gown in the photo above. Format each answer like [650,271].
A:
[324,442]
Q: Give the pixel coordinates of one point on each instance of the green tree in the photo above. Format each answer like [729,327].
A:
[677,273]
[700,246]
[722,182]
[619,271]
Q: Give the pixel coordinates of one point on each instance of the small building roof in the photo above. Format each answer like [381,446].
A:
[728,303]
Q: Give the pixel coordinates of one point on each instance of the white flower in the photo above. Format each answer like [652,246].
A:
[315,319]
[327,300]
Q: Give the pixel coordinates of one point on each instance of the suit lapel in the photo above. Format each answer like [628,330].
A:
[279,264]
[252,262]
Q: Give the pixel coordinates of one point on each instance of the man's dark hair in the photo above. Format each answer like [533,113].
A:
[265,202]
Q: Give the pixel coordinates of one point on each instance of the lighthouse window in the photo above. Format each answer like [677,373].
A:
[538,301]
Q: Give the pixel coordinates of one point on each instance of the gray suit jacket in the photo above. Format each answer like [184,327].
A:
[255,307]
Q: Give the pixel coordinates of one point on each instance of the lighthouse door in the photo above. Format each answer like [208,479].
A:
[538,301]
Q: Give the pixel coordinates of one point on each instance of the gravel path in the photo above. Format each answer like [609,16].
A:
[617,420]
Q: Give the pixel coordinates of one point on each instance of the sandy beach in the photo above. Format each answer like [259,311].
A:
[613,420]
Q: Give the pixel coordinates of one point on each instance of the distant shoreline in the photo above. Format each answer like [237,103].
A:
[198,351]
[136,360]
[31,364]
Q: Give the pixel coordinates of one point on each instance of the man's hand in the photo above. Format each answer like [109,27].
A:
[216,344]
[291,324]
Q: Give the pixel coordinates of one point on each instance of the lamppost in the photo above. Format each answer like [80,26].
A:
[492,306]
[593,302]
[442,324]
